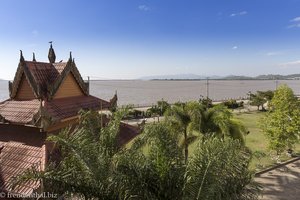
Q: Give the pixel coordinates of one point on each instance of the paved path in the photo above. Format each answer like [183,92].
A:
[282,183]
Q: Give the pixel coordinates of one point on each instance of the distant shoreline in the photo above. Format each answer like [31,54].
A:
[213,79]
[219,79]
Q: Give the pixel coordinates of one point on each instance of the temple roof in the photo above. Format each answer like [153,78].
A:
[28,112]
[69,107]
[21,112]
[15,158]
[45,78]
[127,133]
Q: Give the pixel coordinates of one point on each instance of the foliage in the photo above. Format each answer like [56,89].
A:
[219,170]
[181,118]
[206,102]
[260,98]
[159,109]
[193,117]
[259,155]
[218,121]
[281,124]
[133,114]
[233,104]
[163,105]
[87,152]
[93,166]
[158,174]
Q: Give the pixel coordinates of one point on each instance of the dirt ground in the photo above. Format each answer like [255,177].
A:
[282,183]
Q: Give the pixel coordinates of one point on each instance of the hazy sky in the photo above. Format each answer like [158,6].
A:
[127,39]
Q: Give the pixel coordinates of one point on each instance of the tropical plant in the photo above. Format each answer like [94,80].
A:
[232,104]
[218,121]
[182,118]
[206,102]
[281,124]
[159,109]
[219,169]
[94,167]
[192,117]
[154,174]
[84,166]
[260,98]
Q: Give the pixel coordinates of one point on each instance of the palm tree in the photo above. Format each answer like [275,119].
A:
[219,169]
[183,117]
[194,117]
[219,121]
[86,156]
[154,173]
[92,166]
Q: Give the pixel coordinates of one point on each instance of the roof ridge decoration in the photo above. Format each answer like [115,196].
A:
[51,88]
[23,69]
[51,54]
[13,86]
[21,56]
[33,57]
[18,75]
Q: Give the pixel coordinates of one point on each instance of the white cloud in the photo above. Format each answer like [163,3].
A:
[295,23]
[296,19]
[143,8]
[294,26]
[234,47]
[239,14]
[290,64]
[274,53]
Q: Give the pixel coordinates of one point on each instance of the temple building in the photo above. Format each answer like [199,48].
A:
[44,98]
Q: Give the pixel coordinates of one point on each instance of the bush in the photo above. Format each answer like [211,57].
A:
[233,104]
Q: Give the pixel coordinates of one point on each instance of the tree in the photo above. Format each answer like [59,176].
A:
[182,117]
[281,124]
[260,98]
[86,156]
[219,169]
[206,102]
[219,122]
[233,104]
[157,173]
[163,106]
[159,109]
[94,167]
[194,117]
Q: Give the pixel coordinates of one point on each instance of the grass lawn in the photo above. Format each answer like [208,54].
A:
[256,140]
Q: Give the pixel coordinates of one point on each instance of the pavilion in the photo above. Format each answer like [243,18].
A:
[44,98]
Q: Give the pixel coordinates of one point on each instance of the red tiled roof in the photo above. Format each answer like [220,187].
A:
[69,107]
[22,112]
[127,133]
[19,111]
[60,66]
[45,73]
[15,158]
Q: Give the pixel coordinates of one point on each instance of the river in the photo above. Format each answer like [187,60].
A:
[142,93]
